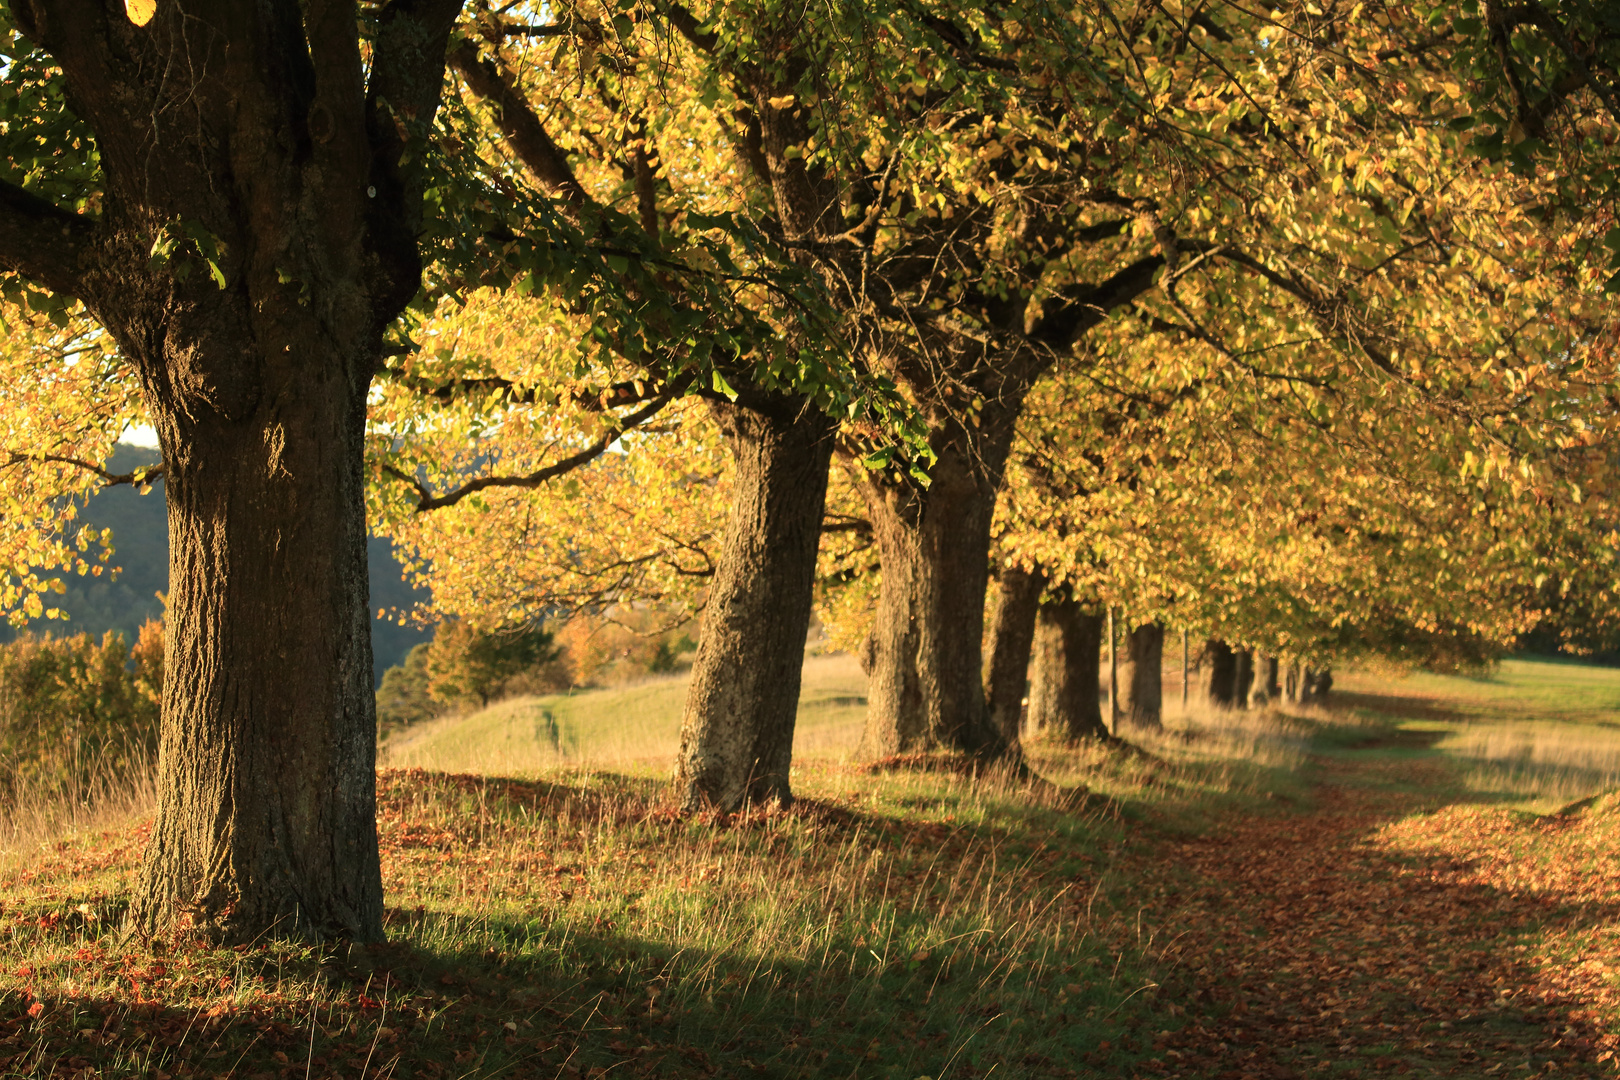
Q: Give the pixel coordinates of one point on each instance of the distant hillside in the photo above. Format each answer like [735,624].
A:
[141,549]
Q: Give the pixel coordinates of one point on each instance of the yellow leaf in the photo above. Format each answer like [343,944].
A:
[140,12]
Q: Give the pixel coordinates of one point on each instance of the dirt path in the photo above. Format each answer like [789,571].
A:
[1359,940]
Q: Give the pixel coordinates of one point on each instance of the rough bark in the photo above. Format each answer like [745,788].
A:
[1220,687]
[925,690]
[1142,700]
[266,781]
[1065,687]
[737,729]
[259,149]
[1012,636]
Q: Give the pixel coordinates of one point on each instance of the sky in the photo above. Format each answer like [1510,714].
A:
[140,435]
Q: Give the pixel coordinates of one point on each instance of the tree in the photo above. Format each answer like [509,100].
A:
[1141,682]
[1063,693]
[1012,636]
[777,387]
[737,728]
[402,698]
[465,664]
[235,194]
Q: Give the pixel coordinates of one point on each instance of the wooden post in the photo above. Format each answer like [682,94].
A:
[1113,679]
[1184,671]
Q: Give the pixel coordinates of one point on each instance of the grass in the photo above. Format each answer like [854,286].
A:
[635,728]
[1533,734]
[919,924]
[550,916]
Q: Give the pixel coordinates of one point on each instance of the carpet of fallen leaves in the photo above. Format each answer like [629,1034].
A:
[1382,934]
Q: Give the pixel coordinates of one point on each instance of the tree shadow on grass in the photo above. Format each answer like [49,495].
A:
[1395,707]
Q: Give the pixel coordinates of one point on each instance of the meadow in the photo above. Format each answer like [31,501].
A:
[1419,877]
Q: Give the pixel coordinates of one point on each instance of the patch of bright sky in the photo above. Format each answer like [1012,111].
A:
[140,435]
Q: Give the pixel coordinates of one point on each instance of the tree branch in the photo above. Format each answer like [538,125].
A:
[109,479]
[616,395]
[42,242]
[522,128]
[1087,305]
[407,75]
[427,500]
[686,24]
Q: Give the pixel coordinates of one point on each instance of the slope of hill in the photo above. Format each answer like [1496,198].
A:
[140,528]
[627,727]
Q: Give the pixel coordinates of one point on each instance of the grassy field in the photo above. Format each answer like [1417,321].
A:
[1357,890]
[634,728]
[1535,734]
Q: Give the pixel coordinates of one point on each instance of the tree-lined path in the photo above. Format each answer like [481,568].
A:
[1395,926]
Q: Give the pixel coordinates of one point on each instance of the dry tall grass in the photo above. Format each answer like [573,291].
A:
[38,815]
[1545,761]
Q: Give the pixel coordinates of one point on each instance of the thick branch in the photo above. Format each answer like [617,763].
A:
[407,74]
[1087,305]
[686,24]
[42,242]
[522,128]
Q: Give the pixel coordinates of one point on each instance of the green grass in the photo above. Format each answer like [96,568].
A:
[1515,689]
[1533,734]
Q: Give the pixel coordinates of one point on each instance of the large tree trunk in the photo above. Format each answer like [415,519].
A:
[266,774]
[737,730]
[1220,689]
[1065,688]
[256,233]
[925,690]
[1012,635]
[1266,689]
[1317,683]
[1143,700]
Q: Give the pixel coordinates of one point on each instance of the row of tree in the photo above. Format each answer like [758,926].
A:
[1272,323]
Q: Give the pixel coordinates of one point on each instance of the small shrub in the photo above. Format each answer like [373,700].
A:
[148,658]
[71,709]
[669,653]
[403,697]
